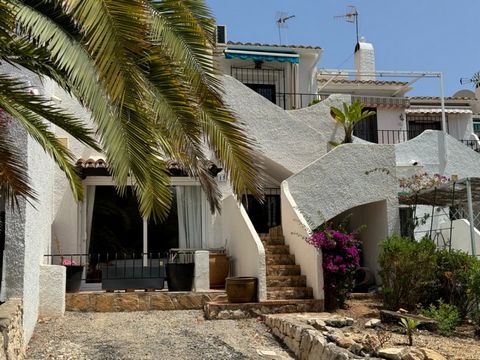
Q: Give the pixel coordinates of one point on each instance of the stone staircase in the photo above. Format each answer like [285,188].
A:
[284,279]
[287,291]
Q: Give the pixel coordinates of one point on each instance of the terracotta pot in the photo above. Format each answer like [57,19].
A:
[219,266]
[241,289]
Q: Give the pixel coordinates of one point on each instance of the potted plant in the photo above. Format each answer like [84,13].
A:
[74,276]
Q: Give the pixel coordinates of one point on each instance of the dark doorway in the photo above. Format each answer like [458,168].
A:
[267,91]
[264,216]
[367,129]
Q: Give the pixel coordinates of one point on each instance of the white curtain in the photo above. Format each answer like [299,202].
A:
[90,198]
[190,220]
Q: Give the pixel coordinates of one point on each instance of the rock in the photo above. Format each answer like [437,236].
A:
[391,353]
[356,348]
[370,343]
[372,323]
[412,353]
[344,342]
[318,324]
[339,322]
[402,311]
[432,355]
[394,317]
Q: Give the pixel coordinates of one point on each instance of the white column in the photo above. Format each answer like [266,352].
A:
[202,271]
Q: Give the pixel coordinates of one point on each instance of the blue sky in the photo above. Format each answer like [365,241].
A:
[420,35]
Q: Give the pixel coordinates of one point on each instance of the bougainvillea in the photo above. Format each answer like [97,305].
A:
[341,258]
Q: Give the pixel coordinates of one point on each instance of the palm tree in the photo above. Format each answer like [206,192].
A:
[350,116]
[145,70]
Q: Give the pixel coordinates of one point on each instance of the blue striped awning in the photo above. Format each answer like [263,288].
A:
[262,56]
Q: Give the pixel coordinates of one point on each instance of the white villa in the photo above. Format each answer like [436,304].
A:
[284,102]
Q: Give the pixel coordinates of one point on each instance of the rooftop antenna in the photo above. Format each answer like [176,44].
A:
[474,79]
[351,16]
[281,21]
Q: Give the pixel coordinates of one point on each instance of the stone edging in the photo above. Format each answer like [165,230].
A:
[305,341]
[12,346]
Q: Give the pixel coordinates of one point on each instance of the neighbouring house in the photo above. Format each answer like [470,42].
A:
[284,103]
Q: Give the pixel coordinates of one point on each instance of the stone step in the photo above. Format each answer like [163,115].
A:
[224,310]
[276,231]
[267,240]
[283,270]
[280,259]
[277,293]
[288,281]
[277,249]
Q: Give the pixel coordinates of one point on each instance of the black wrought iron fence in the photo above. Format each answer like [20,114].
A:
[114,271]
[473,144]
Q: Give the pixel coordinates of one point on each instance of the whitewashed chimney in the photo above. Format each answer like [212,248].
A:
[364,60]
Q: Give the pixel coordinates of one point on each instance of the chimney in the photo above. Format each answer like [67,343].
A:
[364,60]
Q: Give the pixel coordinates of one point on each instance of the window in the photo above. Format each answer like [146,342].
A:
[417,124]
[476,126]
[267,91]
[407,223]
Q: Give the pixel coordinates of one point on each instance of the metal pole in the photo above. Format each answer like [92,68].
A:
[451,218]
[442,145]
[470,216]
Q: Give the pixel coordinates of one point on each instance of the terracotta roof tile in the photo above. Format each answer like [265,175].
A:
[175,169]
[437,98]
[324,78]
[274,45]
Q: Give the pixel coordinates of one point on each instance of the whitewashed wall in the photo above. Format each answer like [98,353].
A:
[296,230]
[234,228]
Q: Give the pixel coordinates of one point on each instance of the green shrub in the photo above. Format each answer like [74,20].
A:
[455,271]
[408,271]
[447,316]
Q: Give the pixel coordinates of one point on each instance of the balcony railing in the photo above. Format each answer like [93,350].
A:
[388,137]
[473,144]
[292,101]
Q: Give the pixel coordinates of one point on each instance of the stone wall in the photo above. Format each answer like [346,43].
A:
[11,334]
[304,340]
[139,301]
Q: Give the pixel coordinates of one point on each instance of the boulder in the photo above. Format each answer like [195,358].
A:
[412,353]
[372,323]
[370,343]
[391,353]
[432,355]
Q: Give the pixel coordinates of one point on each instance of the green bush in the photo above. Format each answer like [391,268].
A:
[455,271]
[408,271]
[447,316]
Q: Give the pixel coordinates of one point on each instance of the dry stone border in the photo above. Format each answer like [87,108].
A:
[325,336]
[11,336]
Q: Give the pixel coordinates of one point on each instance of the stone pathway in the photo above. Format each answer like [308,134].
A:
[152,335]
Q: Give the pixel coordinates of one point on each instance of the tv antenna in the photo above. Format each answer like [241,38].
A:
[281,21]
[351,16]
[474,79]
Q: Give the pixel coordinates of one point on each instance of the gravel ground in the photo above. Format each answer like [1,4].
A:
[151,335]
